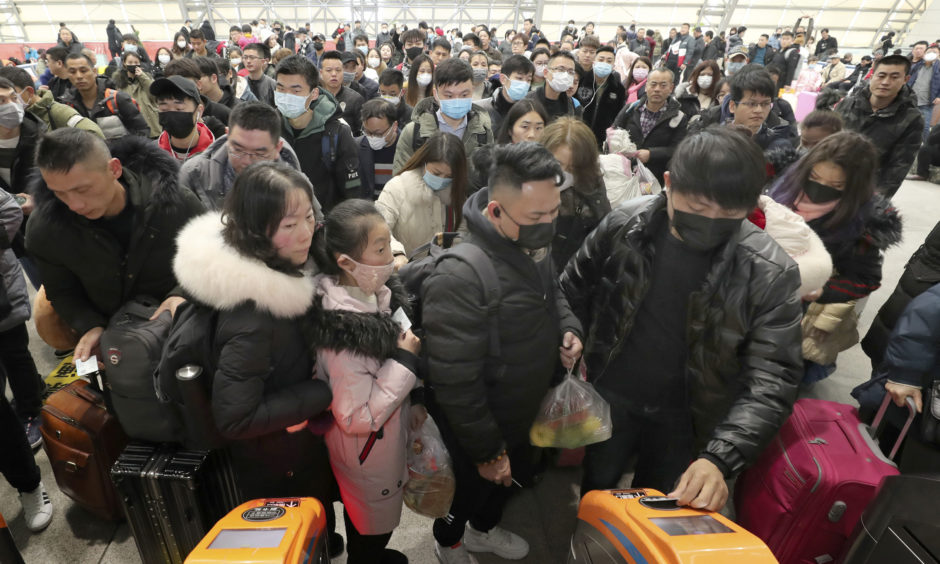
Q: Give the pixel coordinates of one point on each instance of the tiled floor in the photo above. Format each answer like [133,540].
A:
[545,515]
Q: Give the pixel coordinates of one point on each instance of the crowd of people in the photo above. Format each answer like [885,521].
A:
[284,184]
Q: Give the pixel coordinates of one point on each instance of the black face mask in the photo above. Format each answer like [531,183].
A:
[414,52]
[318,45]
[177,124]
[701,233]
[820,193]
[131,69]
[534,237]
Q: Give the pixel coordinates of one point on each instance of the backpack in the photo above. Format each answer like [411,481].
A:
[110,101]
[183,378]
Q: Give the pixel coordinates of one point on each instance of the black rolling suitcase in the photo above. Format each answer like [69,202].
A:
[172,497]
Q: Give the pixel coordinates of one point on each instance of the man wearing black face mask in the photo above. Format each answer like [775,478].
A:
[489,404]
[180,107]
[695,324]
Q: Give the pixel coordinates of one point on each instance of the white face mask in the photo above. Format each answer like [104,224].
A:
[929,57]
[181,44]
[561,81]
[374,62]
[424,79]
[163,58]
[235,62]
[704,81]
[393,100]
[540,70]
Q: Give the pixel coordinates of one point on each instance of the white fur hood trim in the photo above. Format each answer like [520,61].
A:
[217,275]
[800,242]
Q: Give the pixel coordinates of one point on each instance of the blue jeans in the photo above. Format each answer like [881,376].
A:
[927,112]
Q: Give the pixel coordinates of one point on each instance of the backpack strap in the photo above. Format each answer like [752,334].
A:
[416,141]
[482,265]
[328,144]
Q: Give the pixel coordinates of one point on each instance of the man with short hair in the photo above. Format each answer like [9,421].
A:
[440,50]
[210,86]
[312,123]
[115,112]
[180,107]
[383,36]
[711,51]
[412,46]
[487,403]
[377,146]
[104,229]
[254,135]
[215,115]
[696,345]
[886,112]
[515,79]
[451,110]
[858,74]
[918,51]
[391,83]
[336,80]
[255,56]
[317,46]
[787,59]
[59,82]
[198,41]
[834,73]
[677,56]
[559,77]
[607,97]
[369,88]
[43,106]
[826,44]
[655,123]
[696,50]
[472,41]
[761,53]
[925,82]
[737,58]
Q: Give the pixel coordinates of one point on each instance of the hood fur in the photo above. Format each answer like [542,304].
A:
[800,242]
[217,275]
[883,224]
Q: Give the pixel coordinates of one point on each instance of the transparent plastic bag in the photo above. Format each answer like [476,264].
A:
[648,183]
[572,415]
[431,482]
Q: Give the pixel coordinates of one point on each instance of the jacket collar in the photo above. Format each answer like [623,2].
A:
[324,108]
[216,274]
[205,140]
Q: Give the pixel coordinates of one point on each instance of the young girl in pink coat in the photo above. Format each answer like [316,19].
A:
[370,364]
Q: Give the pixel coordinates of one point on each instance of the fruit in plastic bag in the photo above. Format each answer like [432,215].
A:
[431,484]
[572,415]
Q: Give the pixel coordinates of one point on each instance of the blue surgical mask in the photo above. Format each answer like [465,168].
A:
[517,90]
[348,77]
[436,183]
[130,48]
[456,108]
[364,49]
[735,67]
[290,105]
[602,70]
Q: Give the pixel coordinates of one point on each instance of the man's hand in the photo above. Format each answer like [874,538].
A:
[900,392]
[499,472]
[400,261]
[936,101]
[29,205]
[419,415]
[170,304]
[702,486]
[570,348]
[643,155]
[88,344]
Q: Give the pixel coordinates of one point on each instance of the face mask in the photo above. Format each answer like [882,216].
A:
[456,108]
[393,100]
[479,75]
[413,52]
[735,67]
[348,77]
[374,62]
[568,182]
[164,59]
[819,193]
[533,237]
[561,82]
[364,49]
[11,115]
[540,70]
[290,105]
[517,90]
[437,183]
[701,233]
[424,79]
[704,81]
[384,30]
[235,62]
[177,124]
[318,45]
[640,74]
[930,57]
[370,278]
[602,70]
[376,142]
[132,69]
[130,48]
[181,44]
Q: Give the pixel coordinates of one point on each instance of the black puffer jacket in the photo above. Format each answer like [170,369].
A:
[600,107]
[922,272]
[86,274]
[895,130]
[490,404]
[581,211]
[669,131]
[744,361]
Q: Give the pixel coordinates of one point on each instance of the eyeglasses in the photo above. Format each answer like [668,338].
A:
[383,134]
[254,156]
[251,58]
[762,105]
[563,70]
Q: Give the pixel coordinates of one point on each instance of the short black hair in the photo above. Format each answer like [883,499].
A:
[517,63]
[263,51]
[197,34]
[392,77]
[515,164]
[207,65]
[80,56]
[606,49]
[710,34]
[4,83]
[452,71]
[237,28]
[57,53]
[921,42]
[787,33]
[752,78]
[185,67]
[379,108]
[413,34]
[331,55]
[765,36]
[63,148]
[772,69]
[361,37]
[824,30]
[721,164]
[300,66]
[442,43]
[894,60]
[563,55]
[256,116]
[19,77]
[130,37]
[472,38]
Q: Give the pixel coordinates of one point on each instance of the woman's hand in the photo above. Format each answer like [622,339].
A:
[409,342]
[419,415]
[900,392]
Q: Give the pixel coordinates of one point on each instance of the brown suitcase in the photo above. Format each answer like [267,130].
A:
[82,441]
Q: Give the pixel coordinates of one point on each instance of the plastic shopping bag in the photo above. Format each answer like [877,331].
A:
[572,415]
[431,483]
[648,183]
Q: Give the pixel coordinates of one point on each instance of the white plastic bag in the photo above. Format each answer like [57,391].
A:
[647,180]
[572,415]
[431,483]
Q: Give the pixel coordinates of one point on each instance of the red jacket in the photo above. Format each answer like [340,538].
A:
[205,139]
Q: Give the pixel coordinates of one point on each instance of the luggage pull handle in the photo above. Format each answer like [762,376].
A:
[197,408]
[878,423]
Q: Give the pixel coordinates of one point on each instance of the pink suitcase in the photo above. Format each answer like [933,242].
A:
[805,103]
[807,491]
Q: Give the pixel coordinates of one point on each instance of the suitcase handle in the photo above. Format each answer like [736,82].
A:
[877,424]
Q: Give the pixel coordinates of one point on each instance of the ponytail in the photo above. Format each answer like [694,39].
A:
[345,231]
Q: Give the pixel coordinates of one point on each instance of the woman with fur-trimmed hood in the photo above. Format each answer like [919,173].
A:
[832,188]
